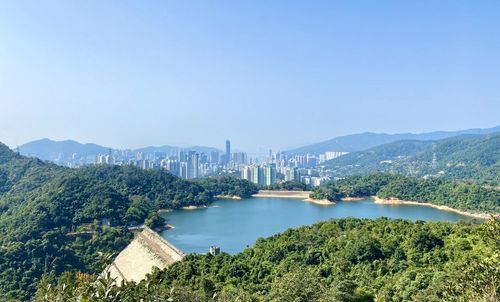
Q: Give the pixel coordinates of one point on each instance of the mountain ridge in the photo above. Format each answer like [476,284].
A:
[365,140]
[58,151]
[468,157]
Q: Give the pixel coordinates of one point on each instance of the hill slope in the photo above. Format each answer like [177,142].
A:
[363,141]
[55,219]
[468,157]
[340,260]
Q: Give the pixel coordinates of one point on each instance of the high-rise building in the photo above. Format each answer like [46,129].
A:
[270,175]
[183,170]
[203,158]
[183,156]
[292,174]
[239,157]
[246,173]
[173,166]
[193,164]
[228,151]
[257,175]
[158,155]
[214,157]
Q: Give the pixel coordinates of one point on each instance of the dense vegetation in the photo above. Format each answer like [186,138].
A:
[459,195]
[288,186]
[469,157]
[228,186]
[340,260]
[56,219]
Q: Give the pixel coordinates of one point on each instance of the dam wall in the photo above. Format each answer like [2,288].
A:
[146,251]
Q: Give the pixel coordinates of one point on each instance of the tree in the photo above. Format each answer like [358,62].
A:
[155,221]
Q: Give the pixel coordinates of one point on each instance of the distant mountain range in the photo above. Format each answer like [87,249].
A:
[363,141]
[474,157]
[62,151]
[47,149]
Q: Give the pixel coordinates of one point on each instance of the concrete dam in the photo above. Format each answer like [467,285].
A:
[147,250]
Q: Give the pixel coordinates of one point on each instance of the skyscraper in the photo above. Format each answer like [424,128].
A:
[246,173]
[257,175]
[193,164]
[292,174]
[214,157]
[228,151]
[270,175]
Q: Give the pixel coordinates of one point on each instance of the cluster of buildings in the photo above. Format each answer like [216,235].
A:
[263,171]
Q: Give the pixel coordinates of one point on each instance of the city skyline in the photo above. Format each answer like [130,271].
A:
[266,74]
[262,150]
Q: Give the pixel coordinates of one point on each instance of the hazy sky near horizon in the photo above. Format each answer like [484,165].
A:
[265,74]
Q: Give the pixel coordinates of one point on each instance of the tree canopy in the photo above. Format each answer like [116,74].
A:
[459,195]
[338,260]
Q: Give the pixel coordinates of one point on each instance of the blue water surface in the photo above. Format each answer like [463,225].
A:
[235,224]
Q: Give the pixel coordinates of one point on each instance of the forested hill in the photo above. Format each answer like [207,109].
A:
[20,174]
[469,197]
[55,219]
[348,260]
[366,140]
[469,157]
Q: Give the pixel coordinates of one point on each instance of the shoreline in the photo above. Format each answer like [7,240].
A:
[379,200]
[355,198]
[282,194]
[322,202]
[190,208]
[304,195]
[231,197]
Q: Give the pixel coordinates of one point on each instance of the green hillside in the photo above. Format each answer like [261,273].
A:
[470,197]
[343,260]
[57,219]
[470,157]
[362,141]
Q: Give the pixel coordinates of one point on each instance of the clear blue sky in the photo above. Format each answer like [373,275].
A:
[266,74]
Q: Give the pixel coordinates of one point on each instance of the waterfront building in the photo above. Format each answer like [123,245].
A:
[258,177]
[270,174]
[292,174]
[246,173]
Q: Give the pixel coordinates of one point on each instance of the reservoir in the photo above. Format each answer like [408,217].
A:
[235,224]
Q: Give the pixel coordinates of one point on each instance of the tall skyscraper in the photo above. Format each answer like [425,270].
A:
[193,164]
[184,170]
[214,157]
[256,175]
[228,151]
[270,175]
[246,173]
